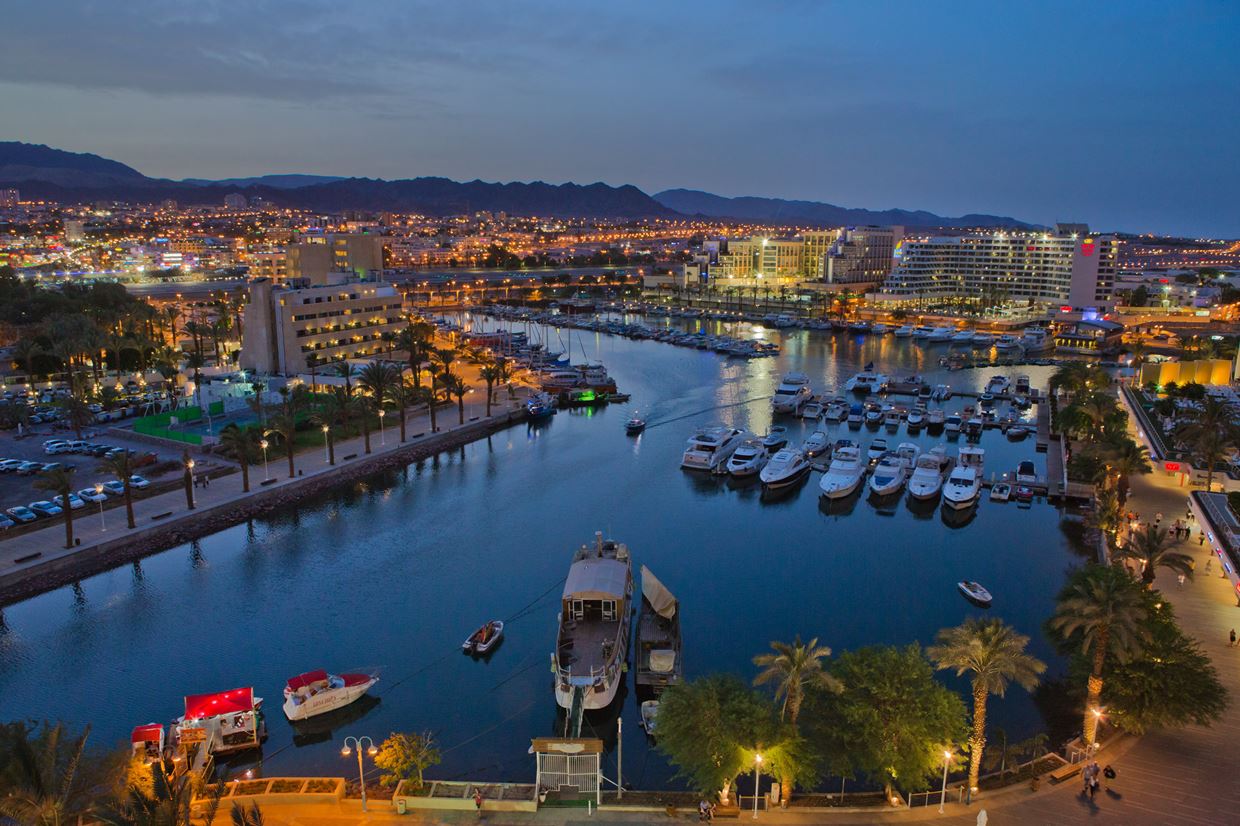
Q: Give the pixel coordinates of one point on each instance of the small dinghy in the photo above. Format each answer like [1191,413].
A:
[1000,492]
[974,592]
[650,715]
[484,639]
[636,424]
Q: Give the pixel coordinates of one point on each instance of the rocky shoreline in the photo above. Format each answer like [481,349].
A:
[188,526]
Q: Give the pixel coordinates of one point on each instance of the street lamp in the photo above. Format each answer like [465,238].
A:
[757,764]
[99,492]
[263,444]
[327,456]
[372,751]
[947,759]
[382,437]
[189,481]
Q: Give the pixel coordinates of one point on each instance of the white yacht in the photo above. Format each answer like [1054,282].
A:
[963,337]
[927,478]
[1036,340]
[892,471]
[923,331]
[892,419]
[867,382]
[904,332]
[876,451]
[939,334]
[786,468]
[953,423]
[916,418]
[812,410]
[710,447]
[592,645]
[964,484]
[941,393]
[1007,342]
[936,418]
[880,329]
[836,410]
[983,339]
[792,393]
[317,692]
[856,413]
[845,474]
[1026,473]
[816,443]
[998,385]
[748,459]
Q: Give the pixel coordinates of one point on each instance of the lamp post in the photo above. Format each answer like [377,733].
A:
[947,758]
[99,492]
[382,436]
[372,751]
[757,764]
[327,451]
[189,481]
[263,444]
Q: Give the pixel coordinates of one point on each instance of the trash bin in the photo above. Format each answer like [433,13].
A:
[400,806]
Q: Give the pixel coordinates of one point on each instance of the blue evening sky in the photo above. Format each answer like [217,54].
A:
[1125,115]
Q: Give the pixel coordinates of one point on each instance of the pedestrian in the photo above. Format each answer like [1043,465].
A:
[478,801]
[1209,563]
[1180,578]
[982,817]
[1232,643]
[1201,540]
[703,810]
[1093,779]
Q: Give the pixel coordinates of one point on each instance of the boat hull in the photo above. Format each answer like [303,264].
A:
[839,488]
[326,701]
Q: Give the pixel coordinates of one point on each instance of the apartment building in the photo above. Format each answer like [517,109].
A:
[315,256]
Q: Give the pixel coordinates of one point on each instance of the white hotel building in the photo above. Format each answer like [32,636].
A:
[1068,267]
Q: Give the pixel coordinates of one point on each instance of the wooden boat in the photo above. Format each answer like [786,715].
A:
[650,715]
[974,592]
[658,642]
[485,638]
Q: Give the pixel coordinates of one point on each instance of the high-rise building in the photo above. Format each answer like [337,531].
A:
[856,256]
[860,256]
[289,328]
[1066,267]
[773,260]
[315,256]
[9,198]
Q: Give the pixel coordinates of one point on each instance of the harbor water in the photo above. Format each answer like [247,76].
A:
[396,571]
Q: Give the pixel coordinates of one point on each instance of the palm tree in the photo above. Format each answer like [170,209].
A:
[403,393]
[60,482]
[284,427]
[166,802]
[1103,609]
[380,380]
[120,465]
[1210,433]
[993,655]
[242,445]
[1151,547]
[795,667]
[49,780]
[491,374]
[1128,459]
[456,386]
[362,407]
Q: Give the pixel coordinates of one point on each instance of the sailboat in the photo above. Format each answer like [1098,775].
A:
[658,635]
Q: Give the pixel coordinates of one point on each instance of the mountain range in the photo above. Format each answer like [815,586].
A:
[73,177]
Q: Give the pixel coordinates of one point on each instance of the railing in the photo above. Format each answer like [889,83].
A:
[955,794]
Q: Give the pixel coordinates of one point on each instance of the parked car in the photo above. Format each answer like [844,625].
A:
[27,468]
[60,447]
[99,450]
[6,523]
[22,513]
[9,465]
[75,501]
[92,495]
[114,487]
[49,442]
[45,508]
[138,482]
[54,466]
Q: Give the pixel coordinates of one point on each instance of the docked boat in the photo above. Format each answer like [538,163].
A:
[974,426]
[844,475]
[935,419]
[786,468]
[856,414]
[146,742]
[650,716]
[592,644]
[484,639]
[982,339]
[1036,340]
[916,418]
[224,723]
[1007,343]
[964,483]
[775,438]
[812,411]
[953,423]
[317,692]
[1026,473]
[873,415]
[867,382]
[963,337]
[876,450]
[859,326]
[540,406]
[905,331]
[793,391]
[836,410]
[923,332]
[710,447]
[927,479]
[815,444]
[880,329]
[974,592]
[748,459]
[1024,493]
[1000,492]
[998,385]
[892,419]
[942,392]
[941,334]
[1017,432]
[890,474]
[657,643]
[1022,387]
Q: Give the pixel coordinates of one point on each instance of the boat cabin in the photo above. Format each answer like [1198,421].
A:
[225,722]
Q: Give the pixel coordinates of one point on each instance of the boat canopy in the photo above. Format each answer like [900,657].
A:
[662,660]
[656,593]
[201,706]
[309,678]
[150,733]
[597,578]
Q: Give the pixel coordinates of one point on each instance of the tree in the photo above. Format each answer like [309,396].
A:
[159,800]
[49,779]
[362,407]
[406,757]
[490,373]
[243,816]
[382,381]
[792,668]
[993,655]
[707,729]
[1210,433]
[456,386]
[1128,459]
[1152,548]
[1100,612]
[1139,296]
[284,427]
[59,481]
[892,720]
[76,412]
[120,465]
[242,445]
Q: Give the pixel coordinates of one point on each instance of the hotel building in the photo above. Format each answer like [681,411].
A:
[1066,268]
[853,256]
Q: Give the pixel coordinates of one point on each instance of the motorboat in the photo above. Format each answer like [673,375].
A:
[856,414]
[983,339]
[815,444]
[876,450]
[998,385]
[974,426]
[1026,473]
[748,459]
[484,639]
[146,742]
[953,423]
[540,406]
[793,391]
[942,392]
[836,410]
[840,444]
[636,424]
[916,418]
[223,723]
[657,643]
[986,399]
[859,326]
[1024,493]
[1036,340]
[812,411]
[592,644]
[964,483]
[941,334]
[1000,492]
[1017,432]
[1007,343]
[974,592]
[935,419]
[650,716]
[844,475]
[906,331]
[775,438]
[927,478]
[317,692]
[785,469]
[710,447]
[1022,387]
[880,329]
[892,419]
[923,332]
[889,475]
[867,382]
[963,337]
[873,415]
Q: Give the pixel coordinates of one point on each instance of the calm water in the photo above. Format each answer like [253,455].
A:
[395,572]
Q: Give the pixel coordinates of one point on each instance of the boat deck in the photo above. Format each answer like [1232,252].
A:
[586,646]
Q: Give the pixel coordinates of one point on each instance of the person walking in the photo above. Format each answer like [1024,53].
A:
[1094,782]
[478,802]
[1180,579]
[1209,563]
[1232,642]
[1201,538]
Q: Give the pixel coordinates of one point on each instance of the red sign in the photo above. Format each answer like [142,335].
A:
[1171,467]
[1087,247]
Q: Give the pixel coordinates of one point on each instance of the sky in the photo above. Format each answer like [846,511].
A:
[1124,115]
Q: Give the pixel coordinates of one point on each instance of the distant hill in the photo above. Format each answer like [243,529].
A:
[292,181]
[32,161]
[777,210]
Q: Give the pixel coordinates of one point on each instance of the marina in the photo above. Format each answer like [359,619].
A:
[401,567]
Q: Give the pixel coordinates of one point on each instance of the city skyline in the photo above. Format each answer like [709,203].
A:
[1117,117]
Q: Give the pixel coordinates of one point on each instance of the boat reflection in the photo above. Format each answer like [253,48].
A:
[318,729]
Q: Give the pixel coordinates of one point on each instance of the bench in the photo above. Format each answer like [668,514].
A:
[1066,771]
[267,482]
[727,811]
[28,557]
[163,515]
[350,456]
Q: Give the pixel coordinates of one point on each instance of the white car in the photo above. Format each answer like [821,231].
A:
[114,487]
[45,508]
[75,501]
[58,447]
[92,495]
[138,482]
[11,464]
